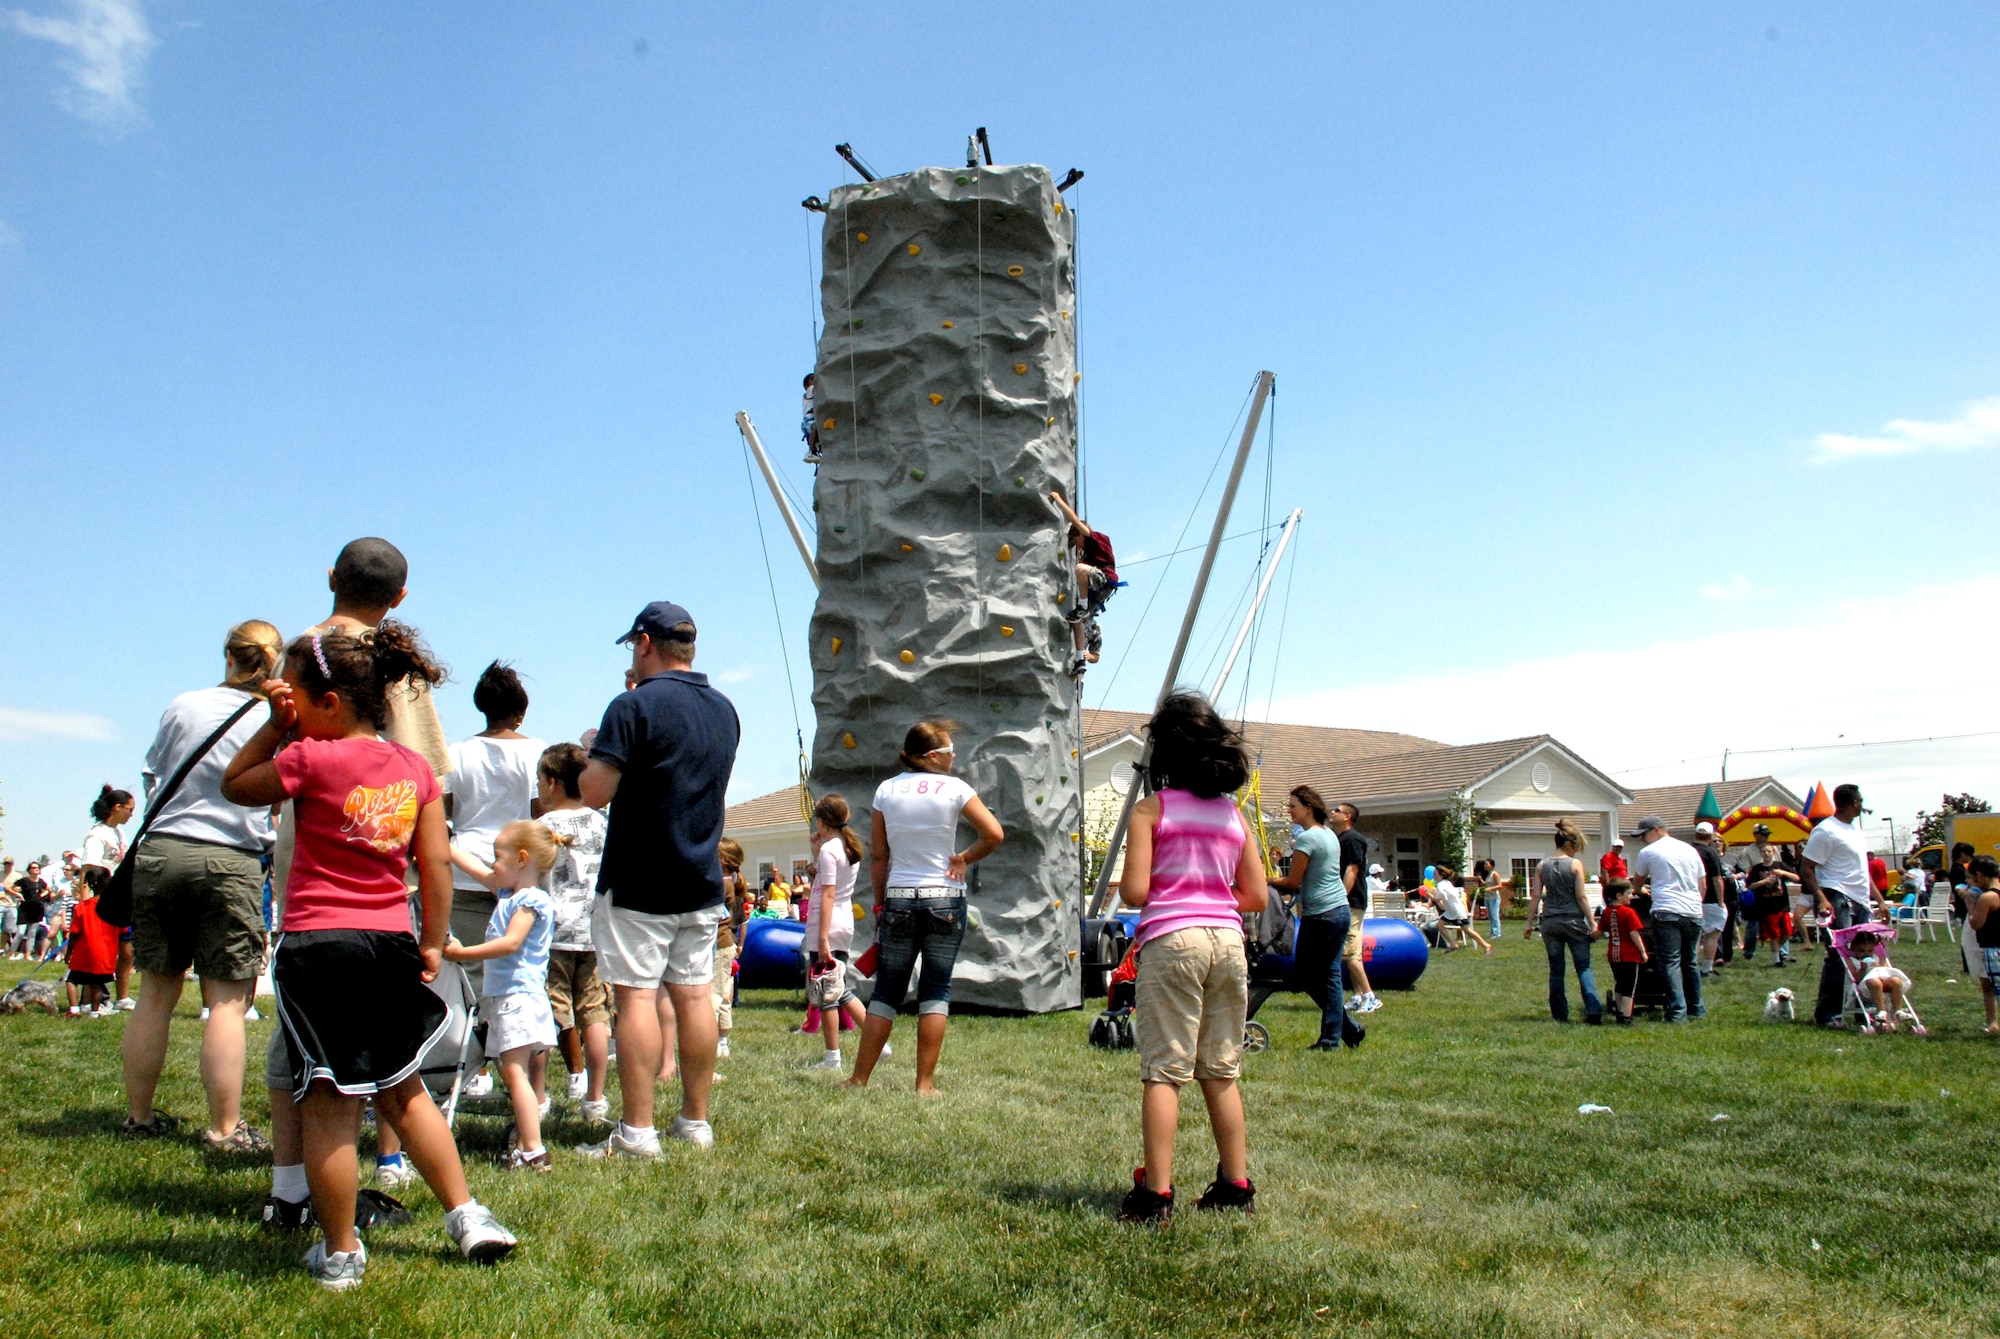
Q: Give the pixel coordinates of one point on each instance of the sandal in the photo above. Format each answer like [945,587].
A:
[159,1127]
[245,1138]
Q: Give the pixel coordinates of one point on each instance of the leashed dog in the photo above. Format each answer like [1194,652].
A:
[31,995]
[1778,1006]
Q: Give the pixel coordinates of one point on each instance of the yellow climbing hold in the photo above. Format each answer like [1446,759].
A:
[1020,369]
[837,644]
[909,548]
[1015,271]
[861,237]
[847,741]
[908,657]
[914,248]
[1006,553]
[939,399]
[947,325]
[1061,595]
[1072,753]
[827,424]
[1065,315]
[1058,206]
[1051,423]
[1006,631]
[1076,836]
[1078,377]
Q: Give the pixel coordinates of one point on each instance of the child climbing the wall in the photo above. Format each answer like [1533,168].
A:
[809,424]
[1096,580]
[514,999]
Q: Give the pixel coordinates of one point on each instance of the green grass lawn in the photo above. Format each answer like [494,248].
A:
[1438,1182]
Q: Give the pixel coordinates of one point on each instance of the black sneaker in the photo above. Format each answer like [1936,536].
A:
[1593,1020]
[1622,1020]
[1324,1044]
[159,1127]
[1144,1204]
[1352,1034]
[1223,1193]
[286,1216]
[372,1208]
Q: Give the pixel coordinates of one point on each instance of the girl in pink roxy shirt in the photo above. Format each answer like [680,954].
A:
[1194,872]
[349,976]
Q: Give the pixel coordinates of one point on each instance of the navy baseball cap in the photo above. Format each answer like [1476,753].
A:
[656,620]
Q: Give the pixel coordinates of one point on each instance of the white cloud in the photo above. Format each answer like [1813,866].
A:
[1737,588]
[1977,425]
[37,727]
[106,44]
[742,674]
[1846,670]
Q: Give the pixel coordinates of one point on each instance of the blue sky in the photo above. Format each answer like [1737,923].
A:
[1636,364]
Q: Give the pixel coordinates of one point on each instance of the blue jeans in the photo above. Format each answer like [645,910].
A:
[1493,912]
[1832,976]
[1317,968]
[929,929]
[1677,940]
[1579,953]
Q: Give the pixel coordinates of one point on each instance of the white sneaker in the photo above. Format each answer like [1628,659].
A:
[547,1103]
[337,1271]
[595,1113]
[887,1050]
[696,1132]
[479,1085]
[579,1084]
[722,1048]
[127,1005]
[831,1060]
[395,1176]
[251,1015]
[478,1233]
[616,1145]
[204,1013]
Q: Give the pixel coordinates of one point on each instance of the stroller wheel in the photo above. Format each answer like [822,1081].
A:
[1256,1037]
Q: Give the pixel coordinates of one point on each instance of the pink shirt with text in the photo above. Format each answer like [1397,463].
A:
[356,802]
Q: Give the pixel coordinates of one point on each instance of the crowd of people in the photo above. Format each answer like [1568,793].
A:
[306,816]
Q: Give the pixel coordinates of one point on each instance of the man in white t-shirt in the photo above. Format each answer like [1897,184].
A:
[1834,867]
[1675,873]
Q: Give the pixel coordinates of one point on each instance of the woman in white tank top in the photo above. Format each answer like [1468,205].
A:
[919,877]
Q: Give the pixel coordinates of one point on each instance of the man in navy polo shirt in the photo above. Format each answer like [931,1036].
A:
[665,750]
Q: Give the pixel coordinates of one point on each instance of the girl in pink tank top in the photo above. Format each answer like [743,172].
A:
[1193,871]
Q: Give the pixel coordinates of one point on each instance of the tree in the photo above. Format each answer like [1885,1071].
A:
[1930,826]
[1455,828]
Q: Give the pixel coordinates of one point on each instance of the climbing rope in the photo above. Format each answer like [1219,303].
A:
[791,687]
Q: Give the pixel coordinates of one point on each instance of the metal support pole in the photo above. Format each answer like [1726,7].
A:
[778,495]
[1263,587]
[1103,889]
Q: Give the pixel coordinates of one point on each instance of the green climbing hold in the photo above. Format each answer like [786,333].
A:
[916,474]
[1064,780]
[1038,799]
[965,181]
[857,323]
[1020,481]
[840,530]
[999,707]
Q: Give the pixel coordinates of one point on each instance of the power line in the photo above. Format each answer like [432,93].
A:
[1808,748]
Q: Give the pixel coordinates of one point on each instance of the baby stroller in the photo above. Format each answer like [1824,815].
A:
[460,1046]
[1854,992]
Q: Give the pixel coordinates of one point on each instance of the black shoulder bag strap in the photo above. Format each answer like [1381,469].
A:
[114,904]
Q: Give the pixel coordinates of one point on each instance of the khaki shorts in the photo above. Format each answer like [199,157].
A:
[723,983]
[645,951]
[578,998]
[197,904]
[1351,951]
[1191,998]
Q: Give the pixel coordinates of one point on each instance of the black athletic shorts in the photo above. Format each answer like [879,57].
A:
[354,1008]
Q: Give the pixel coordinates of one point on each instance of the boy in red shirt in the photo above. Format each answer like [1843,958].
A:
[1626,945]
[92,952]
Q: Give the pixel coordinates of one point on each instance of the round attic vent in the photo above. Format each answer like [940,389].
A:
[1541,777]
[1121,775]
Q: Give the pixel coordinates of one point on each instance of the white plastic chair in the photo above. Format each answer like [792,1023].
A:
[1935,911]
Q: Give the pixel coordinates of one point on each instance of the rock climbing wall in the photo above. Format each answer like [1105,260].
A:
[946,395]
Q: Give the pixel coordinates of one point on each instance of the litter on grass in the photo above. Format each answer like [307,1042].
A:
[1720,1115]
[1592,1109]
[1815,1243]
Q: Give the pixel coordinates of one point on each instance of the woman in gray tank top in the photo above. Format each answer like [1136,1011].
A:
[1564,919]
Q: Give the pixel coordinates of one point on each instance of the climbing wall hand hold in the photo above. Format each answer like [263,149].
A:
[837,644]
[999,707]
[1020,369]
[1006,631]
[827,424]
[909,548]
[914,248]
[1050,424]
[1078,377]
[964,181]
[1006,553]
[1065,316]
[1061,595]
[907,656]
[1059,210]
[1072,753]
[861,237]
[936,398]
[947,325]
[1015,271]
[1020,481]
[1038,799]
[847,742]
[917,474]
[1076,836]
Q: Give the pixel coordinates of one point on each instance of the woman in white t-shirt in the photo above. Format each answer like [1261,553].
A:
[830,923]
[919,878]
[493,781]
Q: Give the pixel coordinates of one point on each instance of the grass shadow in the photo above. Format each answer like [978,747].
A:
[216,1201]
[1092,1198]
[74,1121]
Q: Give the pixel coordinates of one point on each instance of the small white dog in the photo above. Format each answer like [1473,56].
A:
[1778,1006]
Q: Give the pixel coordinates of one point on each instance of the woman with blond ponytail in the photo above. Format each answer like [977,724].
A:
[198,893]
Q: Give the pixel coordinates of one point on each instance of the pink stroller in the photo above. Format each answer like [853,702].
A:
[1866,964]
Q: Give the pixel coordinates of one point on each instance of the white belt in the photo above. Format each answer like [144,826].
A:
[925,893]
